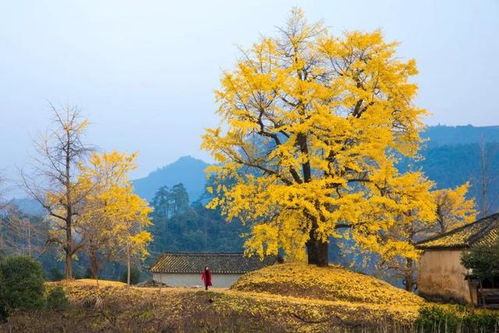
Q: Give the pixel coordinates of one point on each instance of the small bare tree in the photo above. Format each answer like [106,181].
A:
[488,152]
[21,233]
[54,180]
[3,202]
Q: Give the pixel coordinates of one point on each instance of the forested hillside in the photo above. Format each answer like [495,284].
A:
[186,170]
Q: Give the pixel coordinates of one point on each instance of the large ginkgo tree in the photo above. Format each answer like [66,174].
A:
[312,125]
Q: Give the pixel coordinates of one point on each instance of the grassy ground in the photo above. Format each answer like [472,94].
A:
[284,298]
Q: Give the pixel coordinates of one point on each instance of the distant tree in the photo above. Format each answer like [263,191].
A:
[54,181]
[21,233]
[179,199]
[134,276]
[113,218]
[486,175]
[192,228]
[161,202]
[454,209]
[321,119]
[3,202]
[170,201]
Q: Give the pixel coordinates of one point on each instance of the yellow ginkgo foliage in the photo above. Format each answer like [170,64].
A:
[114,219]
[453,208]
[311,128]
[443,210]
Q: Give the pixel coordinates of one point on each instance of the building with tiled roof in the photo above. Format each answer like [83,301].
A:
[440,272]
[184,269]
[481,232]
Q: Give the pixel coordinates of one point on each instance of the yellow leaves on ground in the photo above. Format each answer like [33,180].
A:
[325,283]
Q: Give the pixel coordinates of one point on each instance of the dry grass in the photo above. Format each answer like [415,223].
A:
[326,283]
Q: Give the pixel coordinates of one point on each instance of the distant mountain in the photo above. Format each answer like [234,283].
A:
[451,157]
[459,135]
[186,170]
[29,206]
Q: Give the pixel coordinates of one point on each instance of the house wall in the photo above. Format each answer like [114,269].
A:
[441,276]
[194,280]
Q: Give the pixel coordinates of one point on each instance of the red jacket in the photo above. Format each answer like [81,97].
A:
[206,277]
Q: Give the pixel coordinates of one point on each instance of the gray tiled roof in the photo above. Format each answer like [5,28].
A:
[219,263]
[482,232]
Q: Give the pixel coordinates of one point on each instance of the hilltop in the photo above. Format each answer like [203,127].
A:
[186,170]
[333,283]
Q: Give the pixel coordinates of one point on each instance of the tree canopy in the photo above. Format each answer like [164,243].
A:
[319,120]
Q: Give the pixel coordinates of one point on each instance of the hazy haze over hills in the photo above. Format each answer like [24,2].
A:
[451,158]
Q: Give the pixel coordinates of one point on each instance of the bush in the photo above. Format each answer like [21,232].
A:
[483,260]
[435,319]
[22,283]
[134,276]
[455,318]
[3,306]
[57,299]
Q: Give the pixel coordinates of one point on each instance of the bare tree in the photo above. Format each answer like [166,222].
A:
[54,180]
[488,152]
[3,202]
[21,233]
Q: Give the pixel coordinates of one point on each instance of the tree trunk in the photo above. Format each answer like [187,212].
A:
[409,275]
[317,251]
[128,267]
[68,266]
[69,251]
[94,264]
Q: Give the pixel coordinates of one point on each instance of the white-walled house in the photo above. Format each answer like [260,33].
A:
[184,269]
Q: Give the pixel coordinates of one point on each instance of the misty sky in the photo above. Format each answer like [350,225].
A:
[143,72]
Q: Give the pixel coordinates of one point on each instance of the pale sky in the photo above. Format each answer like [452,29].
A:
[143,72]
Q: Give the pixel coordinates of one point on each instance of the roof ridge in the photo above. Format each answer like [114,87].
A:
[488,228]
[201,253]
[458,229]
[219,263]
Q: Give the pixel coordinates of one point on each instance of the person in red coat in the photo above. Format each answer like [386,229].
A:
[206,277]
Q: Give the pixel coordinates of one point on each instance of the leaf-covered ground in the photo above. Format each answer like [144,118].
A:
[284,298]
[327,283]
[111,308]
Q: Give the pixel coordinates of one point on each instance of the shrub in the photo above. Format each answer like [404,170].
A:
[483,260]
[57,299]
[134,276]
[454,318]
[3,306]
[436,319]
[22,283]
